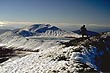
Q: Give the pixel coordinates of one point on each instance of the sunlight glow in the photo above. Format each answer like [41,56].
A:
[2,23]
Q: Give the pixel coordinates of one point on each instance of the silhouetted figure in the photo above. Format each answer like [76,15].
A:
[83,31]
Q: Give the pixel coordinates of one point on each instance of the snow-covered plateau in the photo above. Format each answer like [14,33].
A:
[30,53]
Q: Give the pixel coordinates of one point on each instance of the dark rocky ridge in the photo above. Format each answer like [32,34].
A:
[102,42]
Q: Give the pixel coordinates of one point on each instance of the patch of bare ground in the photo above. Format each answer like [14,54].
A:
[7,53]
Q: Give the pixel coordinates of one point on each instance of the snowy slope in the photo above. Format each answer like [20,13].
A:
[44,30]
[12,40]
[87,56]
[50,56]
[48,61]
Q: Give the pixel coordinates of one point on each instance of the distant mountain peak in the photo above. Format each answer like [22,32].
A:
[43,30]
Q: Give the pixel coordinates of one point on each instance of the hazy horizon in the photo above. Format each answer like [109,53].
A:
[66,14]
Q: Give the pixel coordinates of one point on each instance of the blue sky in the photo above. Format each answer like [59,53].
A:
[68,14]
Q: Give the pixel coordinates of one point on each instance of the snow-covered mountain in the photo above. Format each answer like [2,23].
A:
[35,55]
[17,40]
[76,56]
[45,30]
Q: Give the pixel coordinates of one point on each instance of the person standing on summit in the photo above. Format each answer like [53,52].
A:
[83,31]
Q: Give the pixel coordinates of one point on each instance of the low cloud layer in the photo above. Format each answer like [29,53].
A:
[65,26]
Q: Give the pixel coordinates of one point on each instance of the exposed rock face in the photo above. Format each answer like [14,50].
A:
[98,47]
